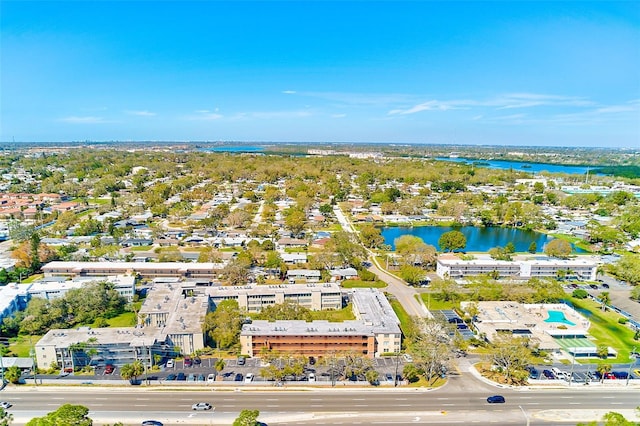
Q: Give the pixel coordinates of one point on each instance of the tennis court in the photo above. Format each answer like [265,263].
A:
[570,343]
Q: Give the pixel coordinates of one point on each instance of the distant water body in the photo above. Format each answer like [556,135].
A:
[521,166]
[234,149]
[478,238]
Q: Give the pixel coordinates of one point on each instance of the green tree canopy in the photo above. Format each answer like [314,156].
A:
[247,418]
[452,240]
[66,415]
[558,248]
[224,324]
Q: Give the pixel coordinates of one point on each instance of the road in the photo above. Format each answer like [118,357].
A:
[406,295]
[326,406]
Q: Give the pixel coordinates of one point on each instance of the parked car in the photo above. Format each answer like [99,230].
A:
[248,378]
[211,378]
[191,378]
[621,374]
[407,357]
[197,360]
[171,377]
[181,377]
[187,361]
[605,285]
[241,360]
[170,363]
[200,378]
[312,361]
[389,377]
[548,374]
[151,423]
[201,406]
[312,377]
[496,399]
[609,376]
[533,373]
[108,369]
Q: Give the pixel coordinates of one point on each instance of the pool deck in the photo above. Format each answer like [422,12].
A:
[510,316]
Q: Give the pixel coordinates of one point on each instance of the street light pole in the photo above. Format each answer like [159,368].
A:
[631,364]
[395,382]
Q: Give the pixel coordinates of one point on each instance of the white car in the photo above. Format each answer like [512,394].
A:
[201,406]
[407,357]
[211,378]
[248,378]
[170,363]
[5,405]
[312,377]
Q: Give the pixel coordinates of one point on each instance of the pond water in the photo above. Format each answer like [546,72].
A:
[478,238]
[520,165]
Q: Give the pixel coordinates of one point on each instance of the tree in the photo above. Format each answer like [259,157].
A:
[558,248]
[67,414]
[288,310]
[605,299]
[237,271]
[12,374]
[511,355]
[414,251]
[5,418]
[247,418]
[603,369]
[431,348]
[510,247]
[371,236]
[219,365]
[533,247]
[413,275]
[445,289]
[452,240]
[295,220]
[224,324]
[132,371]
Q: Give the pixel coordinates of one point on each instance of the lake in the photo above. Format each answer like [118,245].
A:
[234,149]
[521,166]
[478,238]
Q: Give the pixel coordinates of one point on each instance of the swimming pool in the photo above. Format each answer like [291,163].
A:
[558,316]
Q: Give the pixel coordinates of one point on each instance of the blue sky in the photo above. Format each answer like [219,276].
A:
[507,72]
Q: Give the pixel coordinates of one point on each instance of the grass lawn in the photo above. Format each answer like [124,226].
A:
[99,201]
[32,278]
[578,242]
[431,302]
[607,331]
[21,346]
[403,316]
[343,314]
[125,319]
[140,248]
[363,284]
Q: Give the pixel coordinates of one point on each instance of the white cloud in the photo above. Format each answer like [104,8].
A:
[434,105]
[528,100]
[141,113]
[338,115]
[83,120]
[289,92]
[205,115]
[280,114]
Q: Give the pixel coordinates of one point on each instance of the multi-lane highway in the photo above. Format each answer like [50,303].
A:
[327,406]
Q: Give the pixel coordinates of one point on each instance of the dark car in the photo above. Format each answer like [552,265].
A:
[621,374]
[187,362]
[241,360]
[151,423]
[312,361]
[197,360]
[108,369]
[605,285]
[496,399]
[593,286]
[181,377]
[548,374]
[533,373]
[171,377]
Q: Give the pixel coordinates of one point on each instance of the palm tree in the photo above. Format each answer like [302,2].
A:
[603,369]
[132,371]
[605,299]
[219,365]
